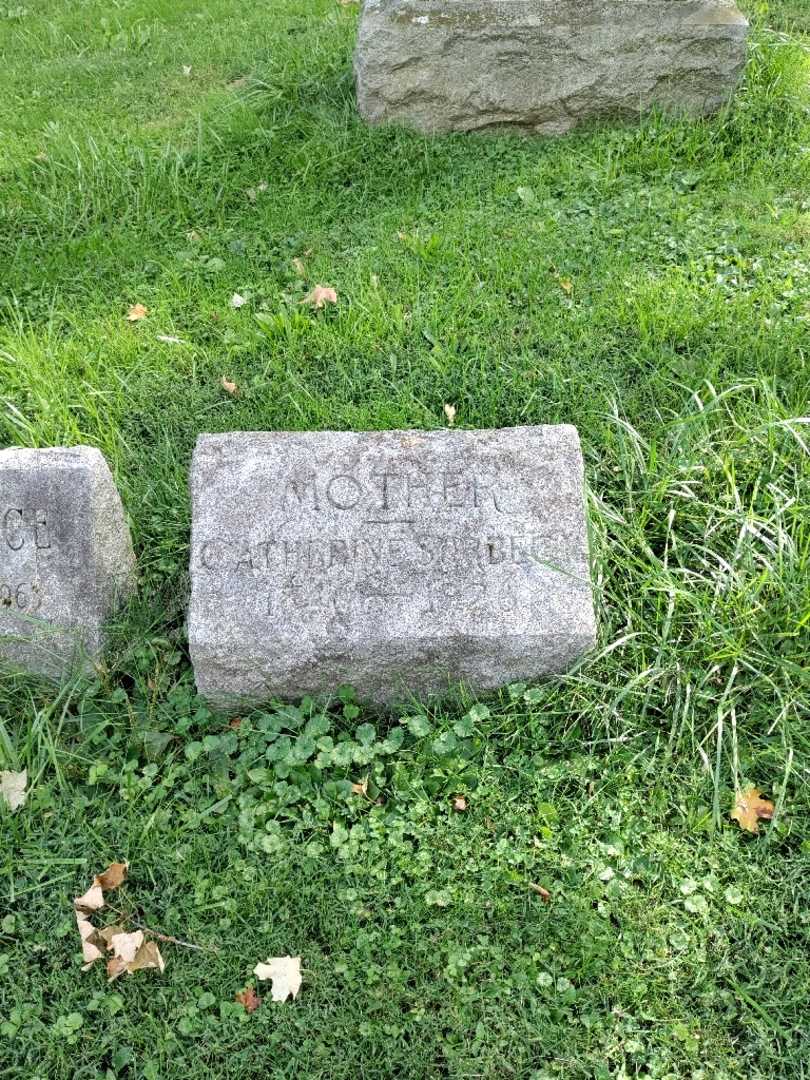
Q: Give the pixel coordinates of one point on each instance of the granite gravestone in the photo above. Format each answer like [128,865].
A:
[399,561]
[543,66]
[66,558]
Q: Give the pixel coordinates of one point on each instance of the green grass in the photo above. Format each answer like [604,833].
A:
[673,945]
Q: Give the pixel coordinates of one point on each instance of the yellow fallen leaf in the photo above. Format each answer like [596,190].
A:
[567,285]
[285,972]
[320,296]
[12,788]
[749,808]
[136,312]
[228,386]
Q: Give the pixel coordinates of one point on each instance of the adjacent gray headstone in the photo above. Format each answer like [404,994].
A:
[543,66]
[400,561]
[66,558]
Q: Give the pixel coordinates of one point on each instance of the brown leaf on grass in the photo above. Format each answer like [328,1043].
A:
[361,788]
[113,876]
[228,386]
[132,953]
[459,804]
[92,900]
[125,945]
[148,956]
[249,999]
[320,296]
[544,894]
[749,808]
[450,413]
[285,971]
[136,312]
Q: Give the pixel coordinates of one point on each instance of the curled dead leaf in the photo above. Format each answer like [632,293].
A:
[544,894]
[320,296]
[450,413]
[750,808]
[136,312]
[113,876]
[459,804]
[228,386]
[361,788]
[92,900]
[249,999]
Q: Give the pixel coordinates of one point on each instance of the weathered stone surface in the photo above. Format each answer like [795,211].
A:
[543,66]
[66,558]
[398,561]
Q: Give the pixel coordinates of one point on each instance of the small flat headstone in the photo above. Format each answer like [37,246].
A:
[66,558]
[400,562]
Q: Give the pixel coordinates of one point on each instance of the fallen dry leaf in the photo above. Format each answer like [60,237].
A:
[136,312]
[113,876]
[749,808]
[125,946]
[361,788]
[148,956]
[544,894]
[228,386]
[249,999]
[132,953]
[459,804]
[93,899]
[12,788]
[450,413]
[320,296]
[285,972]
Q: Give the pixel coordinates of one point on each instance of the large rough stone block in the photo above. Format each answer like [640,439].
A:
[66,558]
[397,561]
[543,66]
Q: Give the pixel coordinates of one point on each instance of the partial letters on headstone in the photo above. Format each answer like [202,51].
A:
[66,558]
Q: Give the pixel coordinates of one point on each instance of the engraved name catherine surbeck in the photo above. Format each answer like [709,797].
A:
[380,498]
